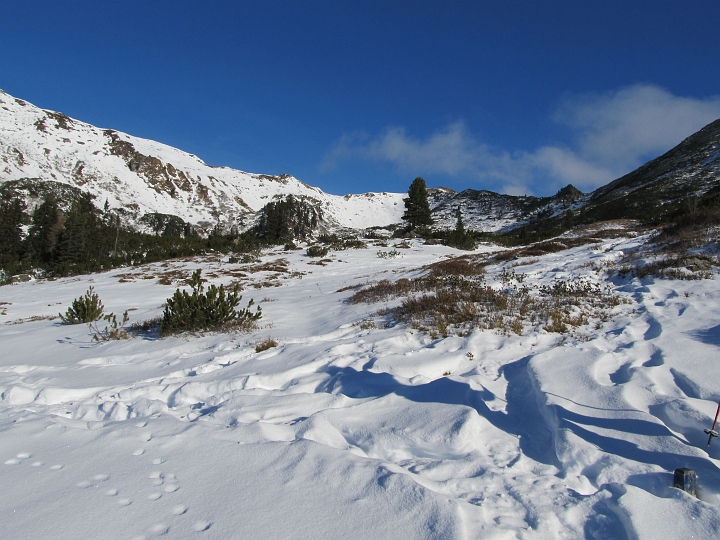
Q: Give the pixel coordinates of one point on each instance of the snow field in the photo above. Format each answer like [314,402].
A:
[345,430]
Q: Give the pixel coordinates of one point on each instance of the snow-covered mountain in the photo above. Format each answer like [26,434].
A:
[138,177]
[141,176]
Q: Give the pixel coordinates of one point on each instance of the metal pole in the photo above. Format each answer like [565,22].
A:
[712,432]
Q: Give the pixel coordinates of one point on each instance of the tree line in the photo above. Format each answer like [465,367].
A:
[68,234]
[82,238]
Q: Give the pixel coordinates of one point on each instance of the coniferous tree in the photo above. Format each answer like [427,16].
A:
[417,208]
[81,243]
[283,221]
[459,237]
[12,216]
[44,230]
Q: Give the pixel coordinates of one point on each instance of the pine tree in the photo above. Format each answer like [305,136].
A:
[45,227]
[459,238]
[12,216]
[81,243]
[417,208]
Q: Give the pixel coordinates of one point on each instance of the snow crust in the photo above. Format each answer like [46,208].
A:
[349,431]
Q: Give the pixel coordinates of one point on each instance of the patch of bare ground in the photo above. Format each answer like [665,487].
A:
[278,266]
[173,277]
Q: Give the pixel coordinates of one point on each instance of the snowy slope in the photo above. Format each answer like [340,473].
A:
[348,430]
[144,176]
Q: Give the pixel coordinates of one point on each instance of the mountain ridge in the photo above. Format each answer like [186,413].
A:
[139,177]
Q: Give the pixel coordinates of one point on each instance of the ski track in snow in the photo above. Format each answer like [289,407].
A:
[348,432]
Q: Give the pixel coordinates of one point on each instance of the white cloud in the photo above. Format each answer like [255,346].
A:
[615,132]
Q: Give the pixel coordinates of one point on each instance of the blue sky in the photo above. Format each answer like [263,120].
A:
[355,96]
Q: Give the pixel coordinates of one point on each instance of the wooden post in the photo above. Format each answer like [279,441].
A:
[686,479]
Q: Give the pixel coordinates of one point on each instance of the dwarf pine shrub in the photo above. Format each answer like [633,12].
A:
[317,251]
[86,309]
[113,329]
[213,309]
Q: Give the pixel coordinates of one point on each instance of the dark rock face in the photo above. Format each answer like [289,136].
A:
[163,178]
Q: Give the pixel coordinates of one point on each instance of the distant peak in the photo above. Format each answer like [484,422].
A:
[569,192]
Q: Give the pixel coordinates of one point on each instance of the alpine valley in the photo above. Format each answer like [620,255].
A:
[544,382]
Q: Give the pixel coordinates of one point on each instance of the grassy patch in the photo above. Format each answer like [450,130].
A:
[266,344]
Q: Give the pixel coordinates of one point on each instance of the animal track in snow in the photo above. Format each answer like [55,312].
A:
[154,496]
[202,525]
[160,529]
[124,502]
[18,458]
[139,452]
[179,510]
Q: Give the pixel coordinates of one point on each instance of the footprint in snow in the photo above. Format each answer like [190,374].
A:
[139,452]
[18,458]
[160,529]
[202,525]
[154,496]
[124,502]
[179,510]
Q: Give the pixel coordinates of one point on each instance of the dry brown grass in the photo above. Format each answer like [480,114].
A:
[278,265]
[264,345]
[444,303]
[467,265]
[33,318]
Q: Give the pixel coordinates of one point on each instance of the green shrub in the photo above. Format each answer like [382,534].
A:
[201,310]
[85,309]
[317,251]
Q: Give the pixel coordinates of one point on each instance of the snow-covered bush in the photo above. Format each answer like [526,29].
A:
[213,309]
